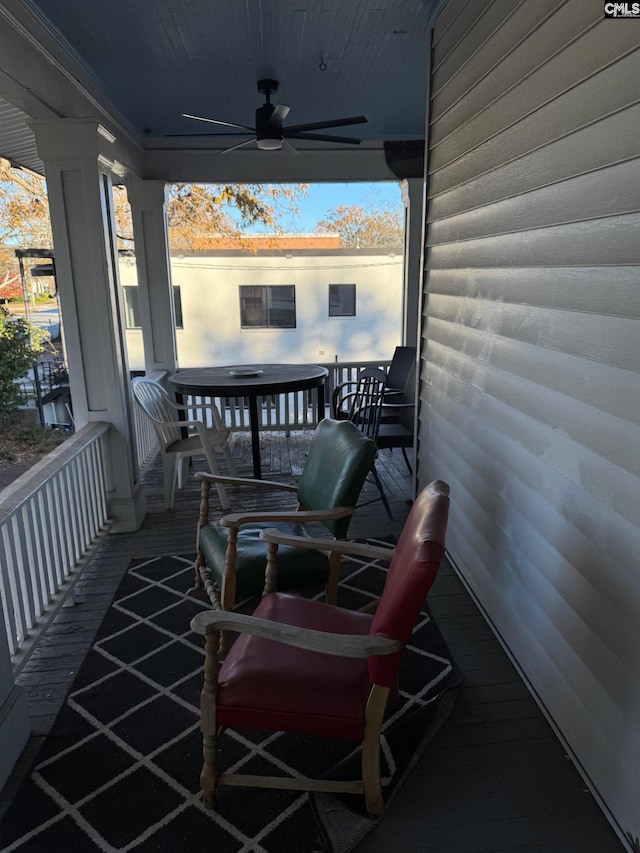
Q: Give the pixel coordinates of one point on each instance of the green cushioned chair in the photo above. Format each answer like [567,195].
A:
[231,560]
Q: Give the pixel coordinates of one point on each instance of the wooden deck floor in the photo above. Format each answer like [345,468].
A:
[495,779]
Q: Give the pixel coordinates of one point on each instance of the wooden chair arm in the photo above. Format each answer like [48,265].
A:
[244,481]
[296,516]
[340,546]
[340,645]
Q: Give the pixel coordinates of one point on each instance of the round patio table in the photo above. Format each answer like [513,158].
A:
[251,381]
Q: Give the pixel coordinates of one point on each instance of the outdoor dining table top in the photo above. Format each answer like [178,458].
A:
[249,379]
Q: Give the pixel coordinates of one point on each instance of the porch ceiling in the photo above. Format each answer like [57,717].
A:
[139,65]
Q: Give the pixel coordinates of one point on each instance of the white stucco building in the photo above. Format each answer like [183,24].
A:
[279,305]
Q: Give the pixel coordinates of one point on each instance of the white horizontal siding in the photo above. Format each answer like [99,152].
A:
[606,141]
[602,95]
[606,192]
[531,354]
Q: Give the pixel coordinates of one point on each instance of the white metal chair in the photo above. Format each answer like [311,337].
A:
[182,439]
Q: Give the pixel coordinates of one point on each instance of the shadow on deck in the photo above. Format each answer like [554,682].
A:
[495,779]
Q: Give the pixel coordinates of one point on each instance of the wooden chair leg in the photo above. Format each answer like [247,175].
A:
[197,590]
[371,750]
[229,578]
[208,776]
[203,519]
[271,570]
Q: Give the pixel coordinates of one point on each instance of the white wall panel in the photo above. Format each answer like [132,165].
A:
[531,380]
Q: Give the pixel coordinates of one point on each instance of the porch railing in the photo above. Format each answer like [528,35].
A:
[296,410]
[49,518]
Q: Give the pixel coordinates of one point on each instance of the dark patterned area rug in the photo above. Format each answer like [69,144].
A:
[120,769]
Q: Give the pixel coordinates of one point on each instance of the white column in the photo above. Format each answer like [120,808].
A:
[148,201]
[15,728]
[413,201]
[77,154]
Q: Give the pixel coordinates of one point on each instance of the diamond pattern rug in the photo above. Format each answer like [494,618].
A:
[120,769]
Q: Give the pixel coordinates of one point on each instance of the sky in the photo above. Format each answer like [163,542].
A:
[323,197]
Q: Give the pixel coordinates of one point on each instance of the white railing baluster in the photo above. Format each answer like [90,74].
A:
[71,473]
[49,518]
[34,577]
[46,549]
[54,523]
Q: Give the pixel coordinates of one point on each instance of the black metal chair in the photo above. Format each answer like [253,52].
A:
[361,402]
[396,427]
[402,363]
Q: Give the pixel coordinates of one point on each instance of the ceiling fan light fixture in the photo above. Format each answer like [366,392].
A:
[269,144]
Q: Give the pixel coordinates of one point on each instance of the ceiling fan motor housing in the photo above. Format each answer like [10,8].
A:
[268,130]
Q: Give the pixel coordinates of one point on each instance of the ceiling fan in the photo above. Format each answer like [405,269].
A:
[269,132]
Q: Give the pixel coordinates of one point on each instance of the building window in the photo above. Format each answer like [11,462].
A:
[342,300]
[132,307]
[268,307]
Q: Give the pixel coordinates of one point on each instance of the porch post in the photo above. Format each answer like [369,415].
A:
[15,727]
[413,201]
[78,160]
[148,201]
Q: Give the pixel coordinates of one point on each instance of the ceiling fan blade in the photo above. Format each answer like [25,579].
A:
[241,145]
[279,114]
[322,137]
[286,146]
[320,125]
[215,121]
[218,135]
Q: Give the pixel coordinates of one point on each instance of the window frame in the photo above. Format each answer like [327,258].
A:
[266,306]
[352,286]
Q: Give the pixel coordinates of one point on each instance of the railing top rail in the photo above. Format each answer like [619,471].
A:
[16,493]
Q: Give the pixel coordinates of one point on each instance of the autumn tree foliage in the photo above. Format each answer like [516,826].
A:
[24,221]
[195,211]
[364,228]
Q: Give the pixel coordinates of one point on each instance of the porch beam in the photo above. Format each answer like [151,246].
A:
[200,163]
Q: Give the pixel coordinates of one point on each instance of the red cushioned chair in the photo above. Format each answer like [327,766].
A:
[306,666]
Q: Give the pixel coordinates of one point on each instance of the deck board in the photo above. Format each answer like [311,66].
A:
[496,778]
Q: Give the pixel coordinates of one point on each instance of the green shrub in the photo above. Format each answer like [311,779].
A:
[20,343]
